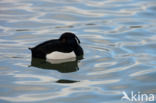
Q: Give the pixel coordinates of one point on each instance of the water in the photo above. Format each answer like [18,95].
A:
[118,38]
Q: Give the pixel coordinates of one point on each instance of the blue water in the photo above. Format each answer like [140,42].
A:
[118,38]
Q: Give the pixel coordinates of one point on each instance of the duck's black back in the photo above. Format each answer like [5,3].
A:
[49,46]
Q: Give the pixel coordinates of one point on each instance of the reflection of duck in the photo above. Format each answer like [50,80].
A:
[64,67]
[67,46]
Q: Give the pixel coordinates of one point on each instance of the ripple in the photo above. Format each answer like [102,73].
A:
[83,12]
[143,72]
[41,79]
[66,81]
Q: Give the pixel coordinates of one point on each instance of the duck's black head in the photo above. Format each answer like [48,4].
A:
[69,38]
[72,41]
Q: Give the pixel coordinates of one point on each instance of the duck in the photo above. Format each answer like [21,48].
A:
[65,47]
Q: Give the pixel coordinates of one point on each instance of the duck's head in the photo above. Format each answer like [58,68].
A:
[70,39]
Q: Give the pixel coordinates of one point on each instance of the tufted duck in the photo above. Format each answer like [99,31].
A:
[67,46]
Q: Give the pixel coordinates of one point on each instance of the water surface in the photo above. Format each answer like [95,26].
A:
[118,38]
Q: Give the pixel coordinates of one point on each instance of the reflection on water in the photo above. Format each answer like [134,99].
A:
[118,38]
[64,66]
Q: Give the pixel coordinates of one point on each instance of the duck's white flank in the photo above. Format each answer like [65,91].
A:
[60,55]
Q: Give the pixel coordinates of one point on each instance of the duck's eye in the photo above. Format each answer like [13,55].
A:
[63,40]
